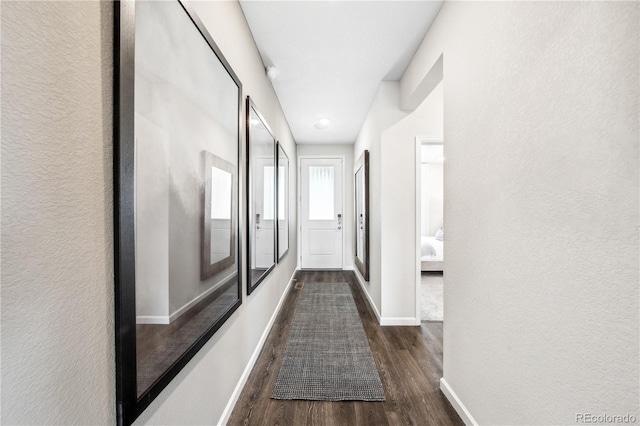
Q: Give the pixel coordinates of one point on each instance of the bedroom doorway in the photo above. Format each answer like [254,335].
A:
[429,222]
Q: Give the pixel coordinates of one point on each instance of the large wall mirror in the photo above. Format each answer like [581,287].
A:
[283,202]
[177,163]
[362,215]
[261,197]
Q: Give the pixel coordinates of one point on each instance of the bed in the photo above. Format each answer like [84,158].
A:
[431,254]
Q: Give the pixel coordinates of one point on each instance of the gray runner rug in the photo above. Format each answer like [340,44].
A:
[327,357]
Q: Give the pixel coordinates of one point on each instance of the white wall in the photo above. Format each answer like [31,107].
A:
[431,188]
[57,215]
[346,151]
[57,226]
[541,206]
[389,133]
[432,207]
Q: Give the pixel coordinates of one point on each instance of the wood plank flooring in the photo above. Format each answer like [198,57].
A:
[409,360]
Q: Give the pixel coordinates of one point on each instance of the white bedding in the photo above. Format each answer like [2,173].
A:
[431,250]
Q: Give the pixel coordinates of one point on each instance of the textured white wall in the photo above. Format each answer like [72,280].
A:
[57,227]
[57,244]
[541,206]
[345,151]
[389,133]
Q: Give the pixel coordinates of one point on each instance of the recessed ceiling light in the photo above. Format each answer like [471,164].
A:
[322,123]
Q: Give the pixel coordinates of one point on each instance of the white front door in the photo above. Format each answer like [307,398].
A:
[322,220]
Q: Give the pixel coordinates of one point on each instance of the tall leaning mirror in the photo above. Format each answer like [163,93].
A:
[261,197]
[178,115]
[283,202]
[362,215]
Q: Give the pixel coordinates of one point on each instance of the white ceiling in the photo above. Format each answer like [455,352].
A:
[332,55]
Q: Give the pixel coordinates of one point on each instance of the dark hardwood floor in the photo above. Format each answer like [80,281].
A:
[409,360]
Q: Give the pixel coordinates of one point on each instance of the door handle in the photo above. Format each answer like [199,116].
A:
[339,219]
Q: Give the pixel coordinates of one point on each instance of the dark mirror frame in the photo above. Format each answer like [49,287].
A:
[362,220]
[250,105]
[280,150]
[129,406]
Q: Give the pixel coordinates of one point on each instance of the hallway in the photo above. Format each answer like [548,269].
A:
[137,184]
[409,360]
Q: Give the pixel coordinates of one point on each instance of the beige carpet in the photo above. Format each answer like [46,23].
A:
[431,296]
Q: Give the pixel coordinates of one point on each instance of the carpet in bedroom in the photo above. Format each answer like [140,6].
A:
[431,296]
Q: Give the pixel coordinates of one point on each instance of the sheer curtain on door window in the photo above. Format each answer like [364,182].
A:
[269,196]
[321,196]
[282,214]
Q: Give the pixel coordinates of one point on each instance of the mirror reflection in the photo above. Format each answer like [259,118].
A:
[220,217]
[283,202]
[362,215]
[262,197]
[186,194]
[218,235]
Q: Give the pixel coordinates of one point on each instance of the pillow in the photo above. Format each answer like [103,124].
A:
[440,234]
[427,249]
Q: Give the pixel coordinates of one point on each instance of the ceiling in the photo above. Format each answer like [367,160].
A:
[332,55]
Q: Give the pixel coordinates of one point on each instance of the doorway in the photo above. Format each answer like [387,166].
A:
[321,213]
[430,226]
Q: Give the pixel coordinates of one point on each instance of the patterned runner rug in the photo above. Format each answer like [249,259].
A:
[327,357]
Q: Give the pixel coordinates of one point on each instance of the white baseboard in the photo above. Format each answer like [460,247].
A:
[174,316]
[148,319]
[462,411]
[399,321]
[163,319]
[228,409]
[384,320]
[364,289]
